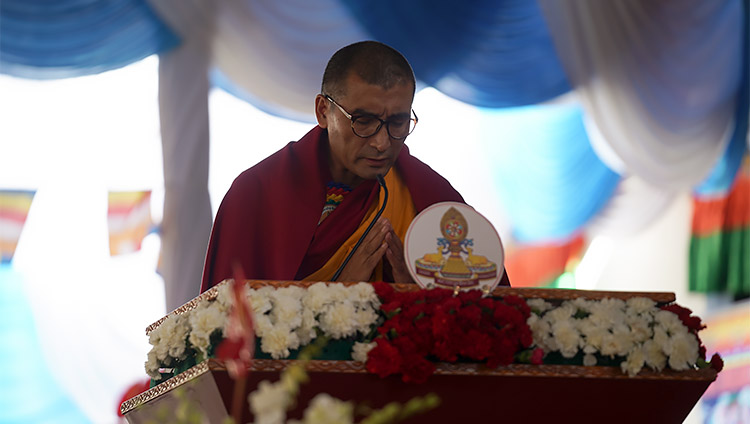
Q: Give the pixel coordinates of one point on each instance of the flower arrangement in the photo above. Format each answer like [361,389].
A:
[405,333]
[636,332]
[284,319]
[435,324]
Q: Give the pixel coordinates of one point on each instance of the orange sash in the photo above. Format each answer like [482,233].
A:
[400,211]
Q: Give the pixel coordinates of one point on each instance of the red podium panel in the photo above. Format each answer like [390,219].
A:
[468,392]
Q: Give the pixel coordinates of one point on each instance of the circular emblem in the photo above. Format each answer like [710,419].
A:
[451,245]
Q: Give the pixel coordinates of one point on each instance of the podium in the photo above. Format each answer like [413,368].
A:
[469,392]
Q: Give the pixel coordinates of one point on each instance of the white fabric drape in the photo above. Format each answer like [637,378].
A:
[276,53]
[266,50]
[634,206]
[657,78]
[183,110]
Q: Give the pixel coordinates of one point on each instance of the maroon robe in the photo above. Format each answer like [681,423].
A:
[268,220]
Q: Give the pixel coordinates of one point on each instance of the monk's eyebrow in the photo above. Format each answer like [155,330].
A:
[362,112]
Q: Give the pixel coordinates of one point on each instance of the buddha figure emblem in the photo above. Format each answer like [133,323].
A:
[454,263]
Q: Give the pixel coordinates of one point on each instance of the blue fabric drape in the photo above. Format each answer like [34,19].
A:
[486,53]
[548,178]
[69,38]
[720,180]
[28,392]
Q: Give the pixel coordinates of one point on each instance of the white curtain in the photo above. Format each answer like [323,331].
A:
[269,50]
[183,110]
[657,77]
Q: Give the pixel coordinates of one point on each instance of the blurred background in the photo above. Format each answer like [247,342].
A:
[606,141]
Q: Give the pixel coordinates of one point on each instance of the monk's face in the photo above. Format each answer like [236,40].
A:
[353,158]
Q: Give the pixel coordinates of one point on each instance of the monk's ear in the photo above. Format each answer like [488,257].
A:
[321,108]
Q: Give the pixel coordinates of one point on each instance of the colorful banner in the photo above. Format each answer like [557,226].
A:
[541,264]
[726,400]
[14,208]
[129,220]
[720,243]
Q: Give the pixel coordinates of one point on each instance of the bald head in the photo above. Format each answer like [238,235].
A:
[375,63]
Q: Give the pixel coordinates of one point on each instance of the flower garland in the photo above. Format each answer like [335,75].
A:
[435,324]
[636,331]
[285,318]
[416,329]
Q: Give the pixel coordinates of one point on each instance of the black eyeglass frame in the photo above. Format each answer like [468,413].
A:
[387,124]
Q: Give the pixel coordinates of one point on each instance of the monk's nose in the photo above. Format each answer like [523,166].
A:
[381,141]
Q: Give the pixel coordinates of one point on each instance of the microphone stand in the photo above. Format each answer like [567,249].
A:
[381,181]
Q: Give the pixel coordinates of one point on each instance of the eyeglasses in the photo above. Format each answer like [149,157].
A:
[368,125]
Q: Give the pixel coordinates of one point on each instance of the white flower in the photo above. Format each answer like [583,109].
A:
[589,360]
[260,300]
[623,339]
[539,305]
[152,366]
[567,337]
[364,294]
[640,328]
[618,342]
[287,308]
[204,320]
[169,338]
[671,322]
[683,351]
[338,321]
[640,305]
[654,355]
[540,330]
[338,293]
[364,318]
[262,324]
[634,362]
[360,351]
[561,313]
[582,304]
[593,336]
[225,296]
[661,338]
[325,409]
[269,403]
[306,331]
[278,340]
[316,297]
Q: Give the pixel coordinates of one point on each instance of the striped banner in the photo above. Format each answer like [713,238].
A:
[14,208]
[129,220]
[720,242]
[541,265]
[727,333]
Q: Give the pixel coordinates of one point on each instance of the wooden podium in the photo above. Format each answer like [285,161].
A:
[469,393]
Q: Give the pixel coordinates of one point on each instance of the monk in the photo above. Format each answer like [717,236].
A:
[298,214]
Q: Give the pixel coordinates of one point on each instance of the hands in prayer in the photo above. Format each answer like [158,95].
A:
[381,240]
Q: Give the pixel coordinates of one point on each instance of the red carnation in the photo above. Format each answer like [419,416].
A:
[383,290]
[716,362]
[471,296]
[416,369]
[537,356]
[383,359]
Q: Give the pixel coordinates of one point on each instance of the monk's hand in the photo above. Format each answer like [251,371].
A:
[369,253]
[395,256]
